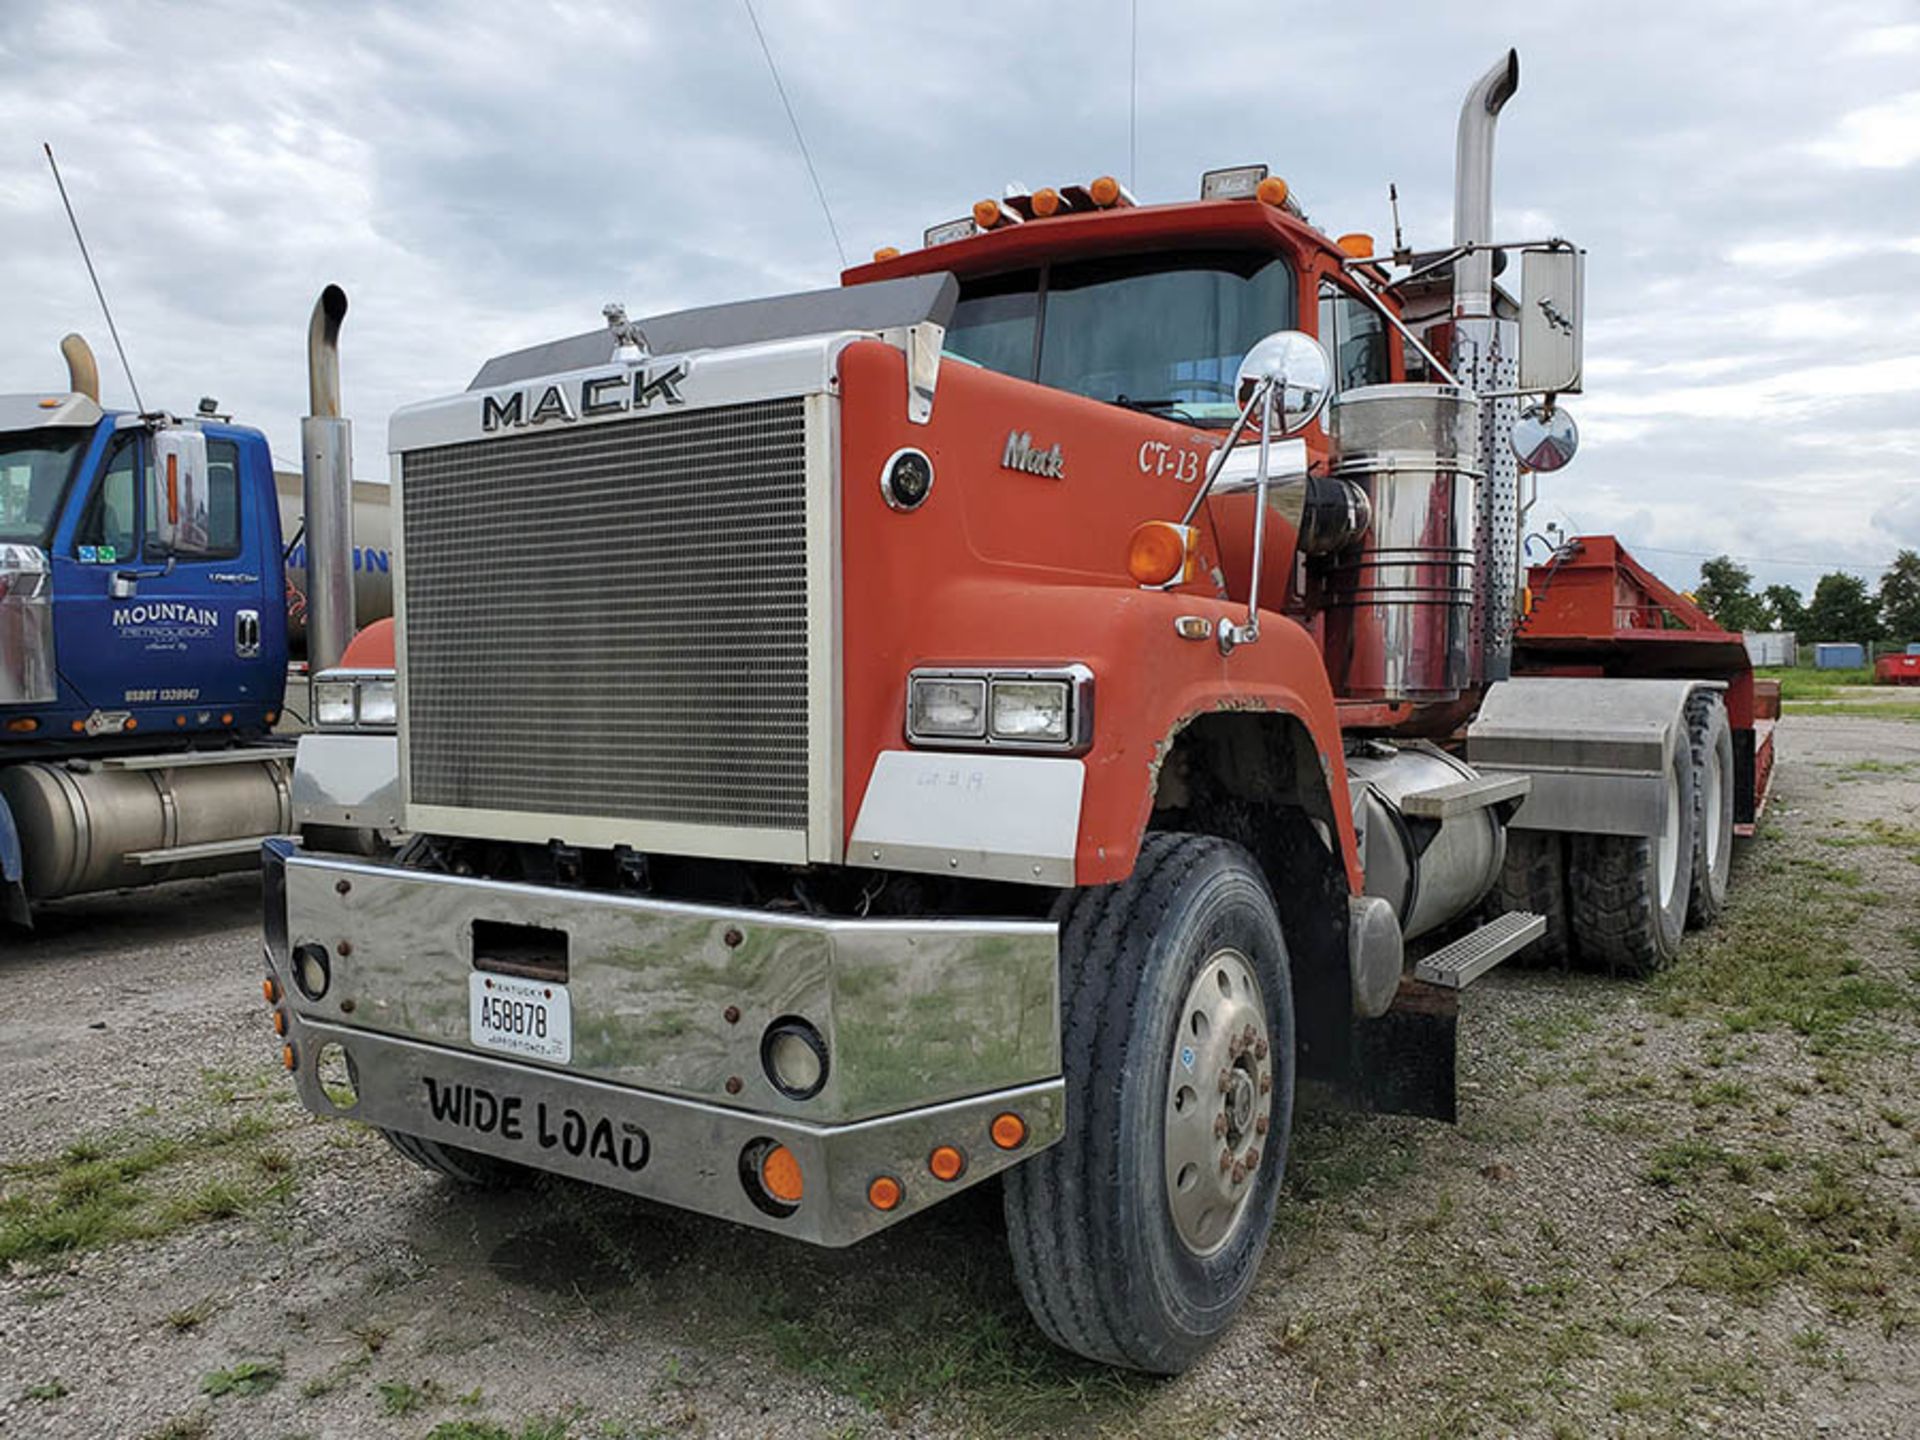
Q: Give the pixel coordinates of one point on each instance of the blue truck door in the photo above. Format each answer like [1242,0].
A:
[191,647]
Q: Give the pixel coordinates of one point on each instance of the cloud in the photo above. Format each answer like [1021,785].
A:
[481,177]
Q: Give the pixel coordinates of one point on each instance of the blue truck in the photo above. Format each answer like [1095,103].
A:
[144,645]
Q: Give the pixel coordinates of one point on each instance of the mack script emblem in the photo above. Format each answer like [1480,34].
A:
[1020,454]
[583,399]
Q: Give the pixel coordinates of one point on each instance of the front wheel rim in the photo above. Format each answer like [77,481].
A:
[1219,1105]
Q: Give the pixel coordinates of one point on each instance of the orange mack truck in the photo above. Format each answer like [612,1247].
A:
[1011,717]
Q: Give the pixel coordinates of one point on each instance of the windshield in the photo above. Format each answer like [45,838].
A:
[34,469]
[1160,332]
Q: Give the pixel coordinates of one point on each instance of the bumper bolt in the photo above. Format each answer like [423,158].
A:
[732,1012]
[345,947]
[342,887]
[734,1085]
[733,937]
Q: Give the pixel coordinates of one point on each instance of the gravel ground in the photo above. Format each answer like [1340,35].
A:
[1685,1206]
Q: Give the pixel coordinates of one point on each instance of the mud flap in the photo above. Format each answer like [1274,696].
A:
[1404,1062]
[13,885]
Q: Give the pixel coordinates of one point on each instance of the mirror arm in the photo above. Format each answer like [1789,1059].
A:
[1366,292]
[1220,459]
[1230,635]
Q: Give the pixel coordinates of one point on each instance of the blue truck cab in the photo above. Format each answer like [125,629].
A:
[143,635]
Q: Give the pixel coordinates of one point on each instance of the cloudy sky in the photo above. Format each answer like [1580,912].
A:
[1746,178]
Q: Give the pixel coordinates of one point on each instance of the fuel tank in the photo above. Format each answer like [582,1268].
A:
[107,824]
[372,554]
[1430,871]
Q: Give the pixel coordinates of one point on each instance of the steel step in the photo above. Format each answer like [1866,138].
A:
[211,849]
[196,759]
[1443,802]
[1456,966]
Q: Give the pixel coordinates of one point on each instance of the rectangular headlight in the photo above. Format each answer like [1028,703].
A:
[1031,710]
[947,708]
[333,703]
[377,702]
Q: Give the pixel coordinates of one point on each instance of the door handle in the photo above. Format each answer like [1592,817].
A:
[246,634]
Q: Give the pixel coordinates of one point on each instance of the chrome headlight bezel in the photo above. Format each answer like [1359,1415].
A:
[343,701]
[1075,686]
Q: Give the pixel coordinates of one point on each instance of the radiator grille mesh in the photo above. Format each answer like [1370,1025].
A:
[611,621]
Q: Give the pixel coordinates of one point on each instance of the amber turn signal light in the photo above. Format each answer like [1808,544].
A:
[1009,1131]
[780,1174]
[947,1162]
[884,1192]
[1356,243]
[1160,552]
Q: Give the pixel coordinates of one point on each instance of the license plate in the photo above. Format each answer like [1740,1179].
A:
[533,1018]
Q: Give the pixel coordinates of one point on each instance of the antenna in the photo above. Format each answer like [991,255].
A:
[112,329]
[1401,255]
[799,139]
[1133,96]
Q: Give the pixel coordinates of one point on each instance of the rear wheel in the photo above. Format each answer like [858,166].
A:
[1711,741]
[1137,1237]
[1629,892]
[1533,878]
[463,1167]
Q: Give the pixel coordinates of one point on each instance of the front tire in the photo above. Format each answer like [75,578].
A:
[1133,1244]
[1629,892]
[468,1168]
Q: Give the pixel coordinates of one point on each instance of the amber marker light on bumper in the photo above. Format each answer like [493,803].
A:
[1009,1131]
[947,1162]
[885,1193]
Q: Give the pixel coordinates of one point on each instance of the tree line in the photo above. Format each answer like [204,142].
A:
[1842,606]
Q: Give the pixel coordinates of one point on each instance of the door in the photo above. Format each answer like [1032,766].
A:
[166,613]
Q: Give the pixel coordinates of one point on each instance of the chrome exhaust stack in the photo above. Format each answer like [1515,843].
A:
[326,451]
[83,371]
[1473,185]
[1486,360]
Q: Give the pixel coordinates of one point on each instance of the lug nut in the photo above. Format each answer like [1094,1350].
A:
[1260,1050]
[1239,1173]
[1219,1126]
[1253,1158]
[1266,1084]
[1260,1125]
[1226,1161]
[1226,1079]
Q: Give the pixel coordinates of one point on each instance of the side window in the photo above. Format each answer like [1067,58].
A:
[207,526]
[110,521]
[1356,338]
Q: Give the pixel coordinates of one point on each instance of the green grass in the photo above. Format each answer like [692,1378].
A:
[248,1378]
[1805,683]
[46,1390]
[104,1191]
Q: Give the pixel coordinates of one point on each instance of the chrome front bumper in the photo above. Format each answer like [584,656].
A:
[933,1028]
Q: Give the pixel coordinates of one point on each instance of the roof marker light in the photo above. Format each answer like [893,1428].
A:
[1108,192]
[886,252]
[1356,243]
[1046,202]
[1273,191]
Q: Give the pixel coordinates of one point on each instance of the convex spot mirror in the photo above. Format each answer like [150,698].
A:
[1545,439]
[177,491]
[1298,369]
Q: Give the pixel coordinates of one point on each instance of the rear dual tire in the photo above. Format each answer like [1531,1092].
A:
[468,1168]
[1628,893]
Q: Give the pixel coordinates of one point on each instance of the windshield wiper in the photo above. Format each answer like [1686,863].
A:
[1176,409]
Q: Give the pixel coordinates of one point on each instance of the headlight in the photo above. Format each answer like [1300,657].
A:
[376,702]
[333,703]
[1030,710]
[1011,709]
[352,700]
[947,708]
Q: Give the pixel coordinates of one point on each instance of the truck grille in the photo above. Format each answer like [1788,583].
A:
[611,620]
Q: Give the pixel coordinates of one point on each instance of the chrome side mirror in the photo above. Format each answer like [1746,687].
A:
[1544,438]
[1299,374]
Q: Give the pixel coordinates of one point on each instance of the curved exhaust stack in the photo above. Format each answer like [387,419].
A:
[1473,185]
[83,372]
[326,463]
